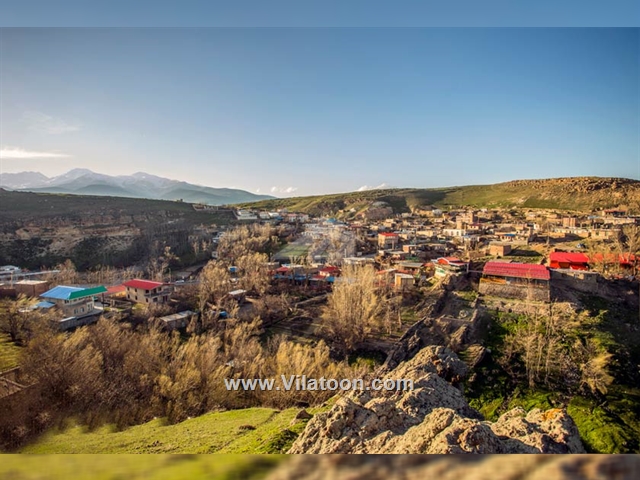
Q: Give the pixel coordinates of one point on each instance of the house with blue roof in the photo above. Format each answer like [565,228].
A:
[72,301]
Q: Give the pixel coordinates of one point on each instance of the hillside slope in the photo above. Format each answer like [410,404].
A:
[251,430]
[576,193]
[44,229]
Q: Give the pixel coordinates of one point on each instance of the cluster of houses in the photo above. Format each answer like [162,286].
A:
[268,216]
[434,242]
[406,249]
[76,305]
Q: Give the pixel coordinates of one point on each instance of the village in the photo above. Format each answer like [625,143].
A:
[227,243]
[362,287]
[511,253]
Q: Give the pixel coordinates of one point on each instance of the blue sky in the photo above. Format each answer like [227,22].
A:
[320,13]
[297,111]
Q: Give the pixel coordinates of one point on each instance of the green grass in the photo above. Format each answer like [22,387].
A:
[409,316]
[371,358]
[530,400]
[136,467]
[611,426]
[468,295]
[208,433]
[9,353]
[251,430]
[600,430]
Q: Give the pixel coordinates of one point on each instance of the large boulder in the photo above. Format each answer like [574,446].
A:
[433,417]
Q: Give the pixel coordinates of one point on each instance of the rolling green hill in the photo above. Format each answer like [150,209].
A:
[251,430]
[576,193]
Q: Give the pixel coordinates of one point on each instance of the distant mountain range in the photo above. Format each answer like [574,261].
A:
[81,181]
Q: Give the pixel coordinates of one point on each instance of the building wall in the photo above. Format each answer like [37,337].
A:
[138,295]
[499,250]
[521,292]
[31,289]
[587,282]
[403,282]
[72,308]
[387,242]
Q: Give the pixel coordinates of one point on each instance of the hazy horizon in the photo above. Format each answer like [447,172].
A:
[294,112]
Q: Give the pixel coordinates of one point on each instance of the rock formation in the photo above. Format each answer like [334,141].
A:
[434,417]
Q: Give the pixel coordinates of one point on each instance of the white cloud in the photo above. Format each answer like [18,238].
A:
[257,190]
[283,189]
[43,123]
[379,187]
[9,153]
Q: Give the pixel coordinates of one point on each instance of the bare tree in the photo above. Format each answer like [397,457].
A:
[159,263]
[354,307]
[254,272]
[14,317]
[628,242]
[214,284]
[594,362]
[67,274]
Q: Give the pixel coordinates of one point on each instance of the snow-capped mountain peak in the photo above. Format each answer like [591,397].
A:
[83,181]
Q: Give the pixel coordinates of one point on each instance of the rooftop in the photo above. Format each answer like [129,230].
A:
[517,270]
[142,284]
[568,257]
[63,292]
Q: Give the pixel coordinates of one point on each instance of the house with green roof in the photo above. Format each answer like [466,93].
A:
[73,302]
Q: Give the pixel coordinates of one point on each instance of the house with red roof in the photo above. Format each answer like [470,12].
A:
[115,291]
[148,292]
[388,240]
[329,271]
[624,260]
[448,265]
[525,281]
[569,260]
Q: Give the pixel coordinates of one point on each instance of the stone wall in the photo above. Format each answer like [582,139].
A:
[587,282]
[520,292]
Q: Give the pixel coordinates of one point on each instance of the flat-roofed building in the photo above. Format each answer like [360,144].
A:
[388,240]
[31,288]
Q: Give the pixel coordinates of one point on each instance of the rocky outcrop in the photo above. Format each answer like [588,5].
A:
[471,467]
[41,229]
[577,184]
[434,417]
[455,333]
